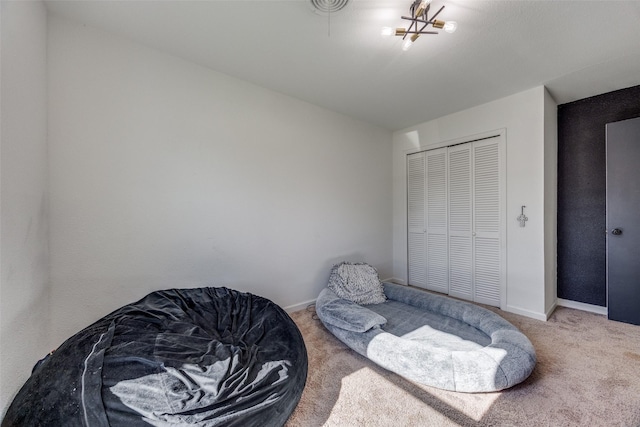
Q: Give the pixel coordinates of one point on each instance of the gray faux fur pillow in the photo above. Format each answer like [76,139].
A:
[357,282]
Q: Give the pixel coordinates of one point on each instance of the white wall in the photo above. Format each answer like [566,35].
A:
[24,290]
[522,115]
[166,174]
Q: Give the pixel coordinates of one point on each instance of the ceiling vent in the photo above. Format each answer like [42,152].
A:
[328,6]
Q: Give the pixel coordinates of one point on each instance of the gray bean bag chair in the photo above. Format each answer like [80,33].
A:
[431,339]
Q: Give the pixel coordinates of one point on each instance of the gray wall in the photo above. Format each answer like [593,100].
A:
[582,191]
[24,259]
[166,174]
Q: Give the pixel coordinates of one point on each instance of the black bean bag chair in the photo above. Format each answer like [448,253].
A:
[205,357]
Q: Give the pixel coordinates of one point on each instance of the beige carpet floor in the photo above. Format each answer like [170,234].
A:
[588,374]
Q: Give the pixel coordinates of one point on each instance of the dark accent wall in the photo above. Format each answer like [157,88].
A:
[582,191]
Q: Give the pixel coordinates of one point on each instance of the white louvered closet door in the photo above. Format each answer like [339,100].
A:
[416,219]
[456,220]
[488,254]
[436,207]
[460,222]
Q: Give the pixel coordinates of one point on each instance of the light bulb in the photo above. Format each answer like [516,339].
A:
[387,31]
[450,26]
[407,44]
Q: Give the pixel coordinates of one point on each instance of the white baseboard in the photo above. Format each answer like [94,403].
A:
[526,313]
[300,306]
[552,309]
[395,280]
[583,306]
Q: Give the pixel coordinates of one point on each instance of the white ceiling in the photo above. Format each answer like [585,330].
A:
[575,48]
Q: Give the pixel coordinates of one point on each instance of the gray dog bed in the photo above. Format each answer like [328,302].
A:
[431,339]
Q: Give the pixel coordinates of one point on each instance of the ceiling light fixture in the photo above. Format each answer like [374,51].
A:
[419,22]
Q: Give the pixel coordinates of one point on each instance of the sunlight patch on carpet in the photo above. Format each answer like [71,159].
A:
[429,402]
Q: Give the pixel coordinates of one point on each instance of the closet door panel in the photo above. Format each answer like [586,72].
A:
[460,215]
[486,189]
[460,268]
[487,271]
[416,224]
[437,251]
[487,220]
